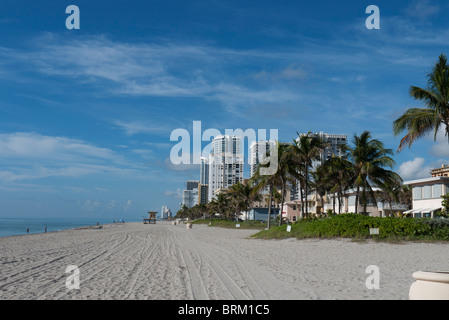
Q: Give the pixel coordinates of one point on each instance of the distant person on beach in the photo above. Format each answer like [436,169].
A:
[28,230]
[45,228]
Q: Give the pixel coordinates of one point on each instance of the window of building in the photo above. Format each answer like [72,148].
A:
[351,201]
[436,191]
[417,193]
[427,192]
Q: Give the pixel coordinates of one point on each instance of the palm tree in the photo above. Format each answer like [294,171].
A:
[405,195]
[246,194]
[304,153]
[241,196]
[263,181]
[338,173]
[418,122]
[389,193]
[369,157]
[280,179]
[222,204]
[211,208]
[283,175]
[320,184]
[182,212]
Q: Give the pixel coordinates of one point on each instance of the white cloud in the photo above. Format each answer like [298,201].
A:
[291,72]
[140,127]
[33,156]
[414,169]
[25,145]
[422,9]
[167,70]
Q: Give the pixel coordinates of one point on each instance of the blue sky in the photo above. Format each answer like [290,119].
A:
[86,115]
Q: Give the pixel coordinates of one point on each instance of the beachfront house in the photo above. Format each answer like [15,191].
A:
[259,214]
[426,196]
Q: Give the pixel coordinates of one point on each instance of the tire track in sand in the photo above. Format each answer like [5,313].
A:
[227,281]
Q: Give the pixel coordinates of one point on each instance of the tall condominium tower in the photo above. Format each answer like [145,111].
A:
[333,142]
[225,163]
[203,188]
[254,158]
[190,194]
[204,171]
[165,213]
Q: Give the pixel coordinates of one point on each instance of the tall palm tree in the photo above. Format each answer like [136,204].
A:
[182,212]
[320,184]
[242,195]
[235,196]
[405,195]
[304,153]
[264,181]
[247,194]
[389,193]
[369,157]
[211,208]
[222,204]
[338,174]
[283,175]
[418,122]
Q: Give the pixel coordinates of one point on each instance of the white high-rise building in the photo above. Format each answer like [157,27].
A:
[190,194]
[190,198]
[254,161]
[165,213]
[333,142]
[226,163]
[257,146]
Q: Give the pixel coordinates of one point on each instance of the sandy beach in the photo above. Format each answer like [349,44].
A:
[163,262]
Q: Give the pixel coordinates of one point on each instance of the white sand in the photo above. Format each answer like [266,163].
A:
[162,261]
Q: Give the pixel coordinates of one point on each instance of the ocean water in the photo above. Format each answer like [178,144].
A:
[19,226]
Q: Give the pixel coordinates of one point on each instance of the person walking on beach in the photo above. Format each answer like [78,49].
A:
[28,230]
[45,228]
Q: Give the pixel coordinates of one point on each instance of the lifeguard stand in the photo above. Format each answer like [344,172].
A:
[151,217]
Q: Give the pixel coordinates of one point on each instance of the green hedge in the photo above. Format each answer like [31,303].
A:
[231,224]
[357,226]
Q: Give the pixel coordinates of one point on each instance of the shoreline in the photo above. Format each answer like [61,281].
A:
[81,226]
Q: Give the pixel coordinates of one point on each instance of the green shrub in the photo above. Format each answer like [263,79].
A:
[231,224]
[357,226]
